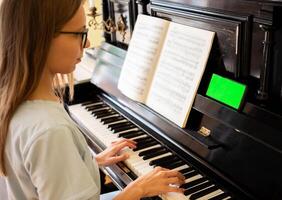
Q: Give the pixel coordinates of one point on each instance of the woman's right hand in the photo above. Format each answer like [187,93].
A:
[156,182]
[159,181]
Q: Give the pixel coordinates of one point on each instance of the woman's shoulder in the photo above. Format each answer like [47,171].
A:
[39,111]
[34,117]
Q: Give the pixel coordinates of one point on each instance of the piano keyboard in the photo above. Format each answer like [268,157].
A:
[108,125]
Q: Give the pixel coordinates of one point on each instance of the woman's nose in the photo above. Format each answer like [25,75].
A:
[87,44]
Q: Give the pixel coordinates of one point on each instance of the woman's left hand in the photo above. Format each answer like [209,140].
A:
[111,154]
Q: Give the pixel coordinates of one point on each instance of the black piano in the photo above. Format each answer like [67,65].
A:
[224,153]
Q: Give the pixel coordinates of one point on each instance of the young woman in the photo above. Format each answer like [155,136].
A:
[43,154]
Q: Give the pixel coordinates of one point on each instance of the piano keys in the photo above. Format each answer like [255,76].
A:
[107,125]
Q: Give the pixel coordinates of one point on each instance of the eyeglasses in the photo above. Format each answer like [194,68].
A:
[83,35]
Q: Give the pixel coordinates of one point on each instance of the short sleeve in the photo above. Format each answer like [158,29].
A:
[56,167]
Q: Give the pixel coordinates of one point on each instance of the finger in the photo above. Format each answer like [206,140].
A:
[119,146]
[125,139]
[175,189]
[114,142]
[122,141]
[117,159]
[174,173]
[130,143]
[159,169]
[169,188]
[174,180]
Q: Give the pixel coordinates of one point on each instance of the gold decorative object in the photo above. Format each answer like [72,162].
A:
[121,26]
[204,131]
[109,25]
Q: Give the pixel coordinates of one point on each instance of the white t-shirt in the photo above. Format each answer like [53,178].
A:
[47,156]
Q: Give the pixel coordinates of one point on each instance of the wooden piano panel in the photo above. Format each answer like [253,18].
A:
[241,150]
[222,7]
[230,50]
[259,27]
[127,10]
[245,146]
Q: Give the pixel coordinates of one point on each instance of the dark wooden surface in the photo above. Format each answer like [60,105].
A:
[244,148]
[243,143]
[238,50]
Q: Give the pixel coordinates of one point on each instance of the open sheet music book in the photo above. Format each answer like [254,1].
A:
[164,65]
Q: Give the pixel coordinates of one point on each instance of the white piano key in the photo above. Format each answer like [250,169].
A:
[148,148]
[95,104]
[100,109]
[126,131]
[117,122]
[109,116]
[188,196]
[174,196]
[188,180]
[139,136]
[154,158]
[146,170]
[182,167]
[210,195]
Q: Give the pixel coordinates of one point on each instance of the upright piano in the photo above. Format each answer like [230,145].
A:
[224,153]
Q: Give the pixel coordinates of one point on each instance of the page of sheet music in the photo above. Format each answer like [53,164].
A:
[141,58]
[179,71]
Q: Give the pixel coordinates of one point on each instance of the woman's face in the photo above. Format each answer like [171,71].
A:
[66,49]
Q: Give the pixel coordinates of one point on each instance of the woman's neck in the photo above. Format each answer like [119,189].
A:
[44,90]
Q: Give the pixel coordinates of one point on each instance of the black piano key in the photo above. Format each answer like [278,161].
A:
[143,153]
[191,174]
[197,188]
[154,198]
[120,124]
[150,151]
[103,110]
[221,196]
[203,192]
[143,146]
[106,114]
[101,113]
[169,158]
[165,159]
[96,106]
[131,134]
[123,128]
[111,119]
[86,103]
[155,153]
[167,162]
[143,139]
[92,101]
[173,165]
[194,183]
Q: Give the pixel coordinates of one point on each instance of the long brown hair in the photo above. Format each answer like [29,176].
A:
[27,28]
